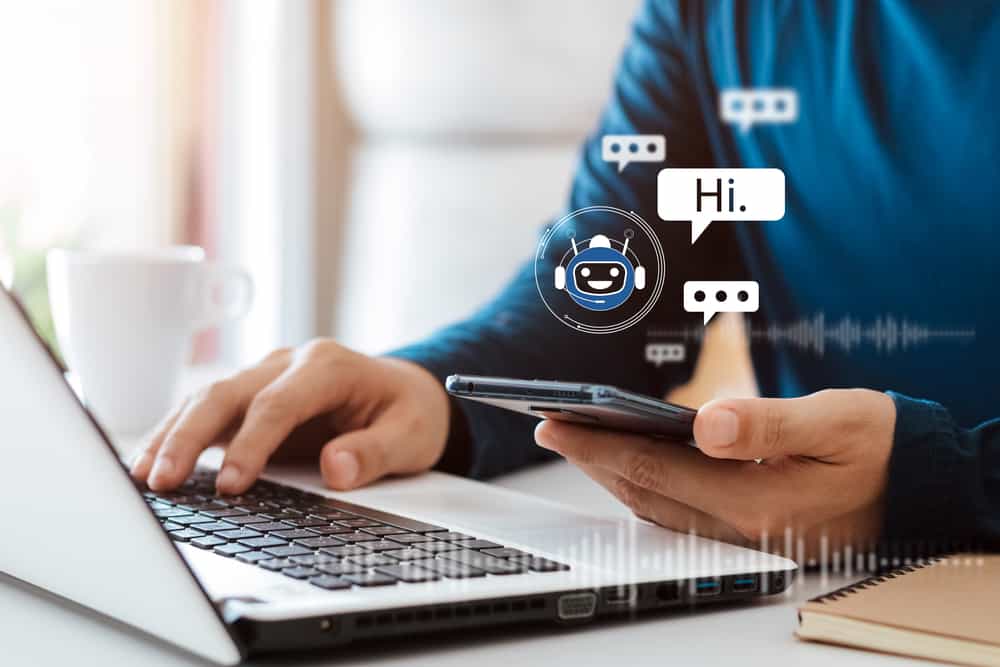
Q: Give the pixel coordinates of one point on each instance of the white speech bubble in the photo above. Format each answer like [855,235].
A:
[704,196]
[721,296]
[625,148]
[664,353]
[748,106]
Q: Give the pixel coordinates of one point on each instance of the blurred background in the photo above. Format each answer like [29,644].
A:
[380,166]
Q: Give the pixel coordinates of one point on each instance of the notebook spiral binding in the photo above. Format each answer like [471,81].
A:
[876,580]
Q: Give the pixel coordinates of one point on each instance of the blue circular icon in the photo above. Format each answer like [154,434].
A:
[600,277]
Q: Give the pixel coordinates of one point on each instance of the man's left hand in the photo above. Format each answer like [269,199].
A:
[816,466]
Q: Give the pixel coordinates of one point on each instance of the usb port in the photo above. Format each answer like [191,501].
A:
[707,587]
[620,596]
[745,584]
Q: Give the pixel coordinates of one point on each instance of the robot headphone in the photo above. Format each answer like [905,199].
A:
[605,254]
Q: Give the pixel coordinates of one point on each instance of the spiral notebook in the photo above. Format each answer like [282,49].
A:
[946,609]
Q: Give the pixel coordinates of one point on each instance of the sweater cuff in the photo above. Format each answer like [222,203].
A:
[921,503]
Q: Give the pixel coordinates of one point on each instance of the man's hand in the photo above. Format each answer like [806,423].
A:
[822,470]
[363,417]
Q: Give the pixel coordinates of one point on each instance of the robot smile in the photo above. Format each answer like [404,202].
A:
[599,284]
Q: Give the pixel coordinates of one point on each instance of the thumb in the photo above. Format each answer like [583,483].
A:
[762,428]
[357,458]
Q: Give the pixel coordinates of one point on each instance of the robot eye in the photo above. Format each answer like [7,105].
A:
[614,272]
[585,272]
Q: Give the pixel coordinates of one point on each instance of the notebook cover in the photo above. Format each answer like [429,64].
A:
[957,596]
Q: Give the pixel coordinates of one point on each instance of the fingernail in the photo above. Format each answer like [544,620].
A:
[227,479]
[139,461]
[344,469]
[161,470]
[722,427]
[543,436]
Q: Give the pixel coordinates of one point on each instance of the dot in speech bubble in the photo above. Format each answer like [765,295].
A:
[704,196]
[746,107]
[625,148]
[721,296]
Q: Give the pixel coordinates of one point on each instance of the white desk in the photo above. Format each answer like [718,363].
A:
[38,631]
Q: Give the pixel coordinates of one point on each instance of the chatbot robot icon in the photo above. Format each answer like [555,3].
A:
[600,269]
[601,277]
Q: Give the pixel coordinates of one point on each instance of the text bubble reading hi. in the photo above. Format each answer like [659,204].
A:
[704,196]
[721,296]
[747,107]
[625,148]
[665,353]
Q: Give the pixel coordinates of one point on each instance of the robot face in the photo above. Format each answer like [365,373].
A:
[600,278]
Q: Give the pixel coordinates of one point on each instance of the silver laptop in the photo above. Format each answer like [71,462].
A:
[290,565]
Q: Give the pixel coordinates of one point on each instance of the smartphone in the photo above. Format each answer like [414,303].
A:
[596,405]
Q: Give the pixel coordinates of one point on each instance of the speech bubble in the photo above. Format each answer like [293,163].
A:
[748,106]
[664,353]
[625,148]
[721,296]
[704,196]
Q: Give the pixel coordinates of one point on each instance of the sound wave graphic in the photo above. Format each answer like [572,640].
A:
[886,334]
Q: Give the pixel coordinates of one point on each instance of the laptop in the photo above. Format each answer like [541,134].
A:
[290,565]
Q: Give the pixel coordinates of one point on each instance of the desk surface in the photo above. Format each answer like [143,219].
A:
[40,631]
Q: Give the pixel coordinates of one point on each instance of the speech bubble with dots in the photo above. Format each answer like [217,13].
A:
[626,148]
[721,296]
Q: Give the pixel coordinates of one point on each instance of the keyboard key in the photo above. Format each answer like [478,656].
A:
[186,534]
[262,542]
[371,560]
[491,564]
[370,579]
[329,530]
[286,551]
[313,559]
[299,572]
[224,513]
[450,569]
[408,572]
[344,551]
[410,538]
[190,519]
[505,552]
[170,513]
[304,522]
[270,527]
[378,545]
[330,583]
[230,549]
[477,544]
[408,554]
[158,506]
[539,564]
[247,519]
[337,569]
[316,542]
[238,534]
[170,526]
[208,542]
[252,557]
[437,547]
[358,523]
[215,526]
[450,536]
[333,516]
[275,564]
[356,537]
[383,530]
[294,534]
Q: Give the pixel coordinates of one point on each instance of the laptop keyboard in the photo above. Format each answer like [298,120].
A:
[332,544]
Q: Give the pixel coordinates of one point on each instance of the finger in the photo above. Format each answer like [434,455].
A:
[729,490]
[303,391]
[208,418]
[661,510]
[361,457]
[143,459]
[763,428]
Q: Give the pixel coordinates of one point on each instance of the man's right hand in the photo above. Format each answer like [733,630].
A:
[364,417]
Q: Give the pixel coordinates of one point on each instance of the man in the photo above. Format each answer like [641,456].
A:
[891,171]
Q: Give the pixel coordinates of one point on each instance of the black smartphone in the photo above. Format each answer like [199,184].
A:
[591,404]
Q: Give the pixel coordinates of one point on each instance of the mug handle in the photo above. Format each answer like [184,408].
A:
[226,293]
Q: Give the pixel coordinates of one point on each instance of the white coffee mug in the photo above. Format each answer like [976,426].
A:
[125,323]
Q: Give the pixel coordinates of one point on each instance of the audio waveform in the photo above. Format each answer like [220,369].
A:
[886,334]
